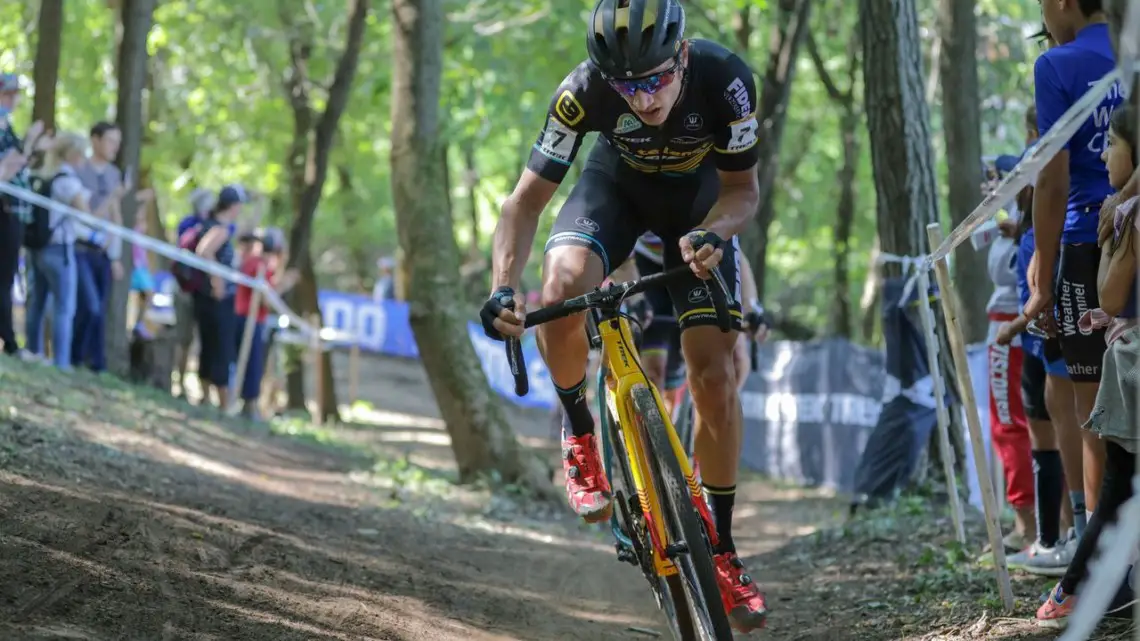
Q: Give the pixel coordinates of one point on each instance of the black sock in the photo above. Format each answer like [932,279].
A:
[721,500]
[1049,487]
[576,416]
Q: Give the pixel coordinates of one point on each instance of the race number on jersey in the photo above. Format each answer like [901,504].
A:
[743,135]
[557,141]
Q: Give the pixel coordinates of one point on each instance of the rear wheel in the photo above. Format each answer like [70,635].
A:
[688,540]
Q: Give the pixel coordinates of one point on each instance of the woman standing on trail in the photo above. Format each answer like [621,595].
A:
[214,306]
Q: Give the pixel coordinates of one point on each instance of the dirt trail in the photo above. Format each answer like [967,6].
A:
[125,515]
[129,516]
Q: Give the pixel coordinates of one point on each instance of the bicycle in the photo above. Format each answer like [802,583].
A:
[660,511]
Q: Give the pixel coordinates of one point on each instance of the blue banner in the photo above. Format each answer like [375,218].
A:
[382,327]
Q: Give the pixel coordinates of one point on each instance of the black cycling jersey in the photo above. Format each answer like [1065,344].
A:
[715,112]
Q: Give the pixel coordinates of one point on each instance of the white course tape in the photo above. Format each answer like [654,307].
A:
[165,249]
[1024,173]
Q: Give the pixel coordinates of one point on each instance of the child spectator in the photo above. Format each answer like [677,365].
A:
[1113,417]
[265,252]
[1008,426]
[201,202]
[142,281]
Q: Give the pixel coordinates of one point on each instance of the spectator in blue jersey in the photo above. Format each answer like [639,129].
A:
[1067,201]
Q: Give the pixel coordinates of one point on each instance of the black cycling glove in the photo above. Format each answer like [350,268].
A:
[755,318]
[502,298]
[700,237]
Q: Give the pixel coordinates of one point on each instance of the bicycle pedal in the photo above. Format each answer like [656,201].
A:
[625,554]
[673,550]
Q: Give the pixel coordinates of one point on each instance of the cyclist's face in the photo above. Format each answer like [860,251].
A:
[653,108]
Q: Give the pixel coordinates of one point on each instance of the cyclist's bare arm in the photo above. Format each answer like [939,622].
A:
[748,292]
[518,223]
[625,272]
[736,206]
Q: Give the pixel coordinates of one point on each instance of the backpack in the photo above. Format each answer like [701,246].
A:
[38,228]
[190,280]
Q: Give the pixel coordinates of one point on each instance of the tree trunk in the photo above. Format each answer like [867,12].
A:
[313,139]
[481,437]
[49,36]
[961,126]
[898,122]
[844,99]
[788,33]
[137,17]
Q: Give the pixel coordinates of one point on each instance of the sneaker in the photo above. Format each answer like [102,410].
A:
[587,487]
[1054,614]
[1044,561]
[745,605]
[1015,541]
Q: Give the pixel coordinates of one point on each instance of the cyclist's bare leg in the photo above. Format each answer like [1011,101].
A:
[718,421]
[571,271]
[1060,400]
[568,271]
[653,362]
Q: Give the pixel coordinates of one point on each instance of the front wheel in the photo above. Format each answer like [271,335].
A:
[697,573]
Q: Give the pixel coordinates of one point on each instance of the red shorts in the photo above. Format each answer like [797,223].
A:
[1009,427]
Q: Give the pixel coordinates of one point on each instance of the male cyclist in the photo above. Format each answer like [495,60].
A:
[676,155]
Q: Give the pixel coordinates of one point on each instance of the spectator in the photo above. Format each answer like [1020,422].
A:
[13,212]
[267,253]
[97,254]
[1047,395]
[1068,197]
[385,288]
[1113,418]
[201,202]
[142,281]
[214,307]
[1008,426]
[53,266]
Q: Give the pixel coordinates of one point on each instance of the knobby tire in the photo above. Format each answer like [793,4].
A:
[670,593]
[683,522]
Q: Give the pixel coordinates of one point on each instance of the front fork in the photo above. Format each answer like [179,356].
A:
[623,544]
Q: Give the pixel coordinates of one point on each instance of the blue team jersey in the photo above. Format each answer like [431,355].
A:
[1061,76]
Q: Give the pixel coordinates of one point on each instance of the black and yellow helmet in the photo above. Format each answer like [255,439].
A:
[629,38]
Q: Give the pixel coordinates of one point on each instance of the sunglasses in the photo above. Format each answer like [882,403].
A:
[649,84]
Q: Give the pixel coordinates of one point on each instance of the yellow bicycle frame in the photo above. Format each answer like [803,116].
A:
[624,373]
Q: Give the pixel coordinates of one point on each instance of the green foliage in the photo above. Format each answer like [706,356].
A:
[219,113]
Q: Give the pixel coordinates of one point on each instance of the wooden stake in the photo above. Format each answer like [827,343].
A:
[927,315]
[966,393]
[246,341]
[318,373]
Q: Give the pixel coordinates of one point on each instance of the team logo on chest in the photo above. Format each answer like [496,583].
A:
[694,122]
[627,123]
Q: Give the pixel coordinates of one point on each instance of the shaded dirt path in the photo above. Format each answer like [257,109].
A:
[125,515]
